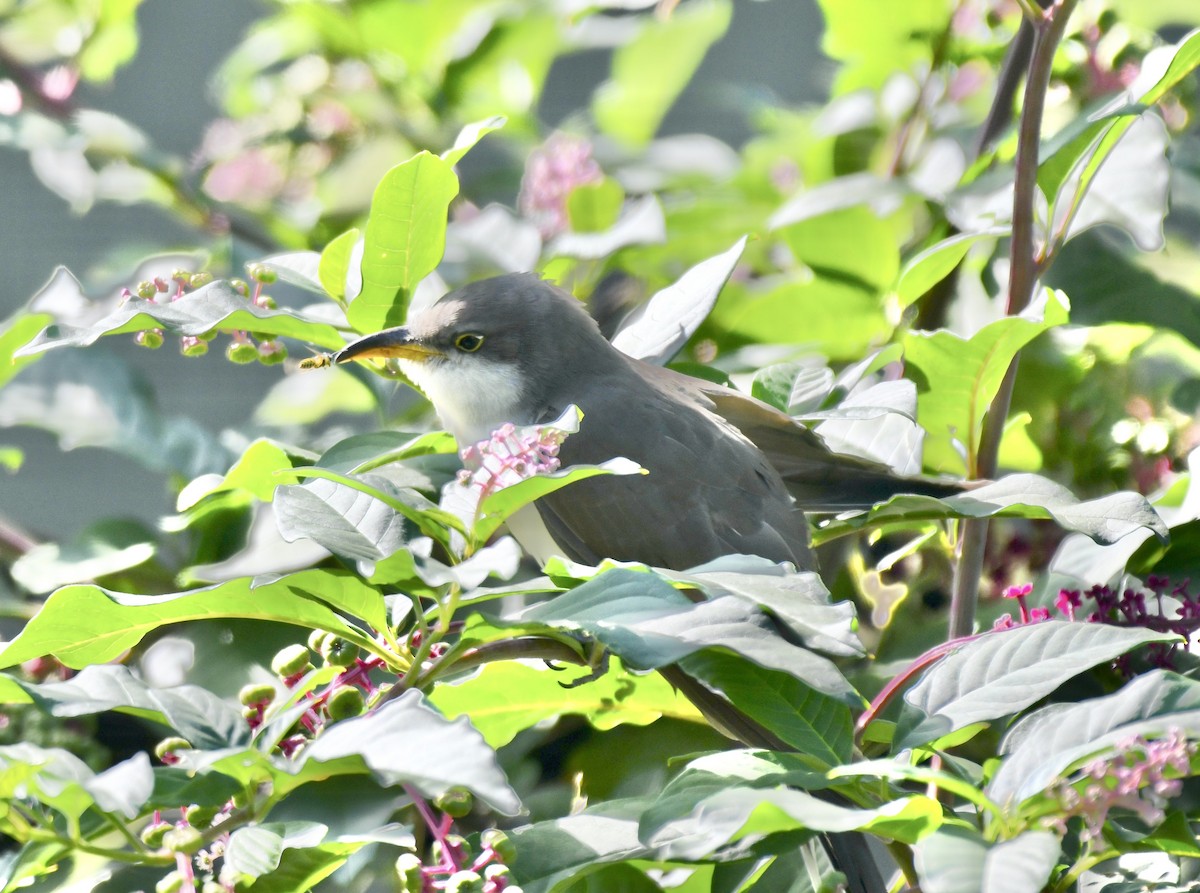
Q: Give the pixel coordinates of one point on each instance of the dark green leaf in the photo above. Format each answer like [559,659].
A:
[1045,744]
[957,860]
[812,723]
[398,742]
[649,624]
[201,717]
[1105,520]
[1003,672]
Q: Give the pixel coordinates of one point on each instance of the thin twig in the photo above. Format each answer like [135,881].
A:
[1023,273]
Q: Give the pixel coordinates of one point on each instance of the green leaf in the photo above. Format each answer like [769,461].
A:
[700,812]
[957,378]
[346,521]
[469,136]
[298,268]
[507,697]
[562,850]
[83,625]
[256,850]
[849,245]
[1097,140]
[797,600]
[650,71]
[1105,520]
[201,717]
[214,306]
[875,40]
[797,313]
[1045,744]
[656,330]
[484,518]
[595,207]
[649,624]
[398,742]
[15,334]
[812,723]
[254,472]
[335,264]
[929,267]
[958,860]
[404,241]
[124,788]
[106,547]
[1000,673]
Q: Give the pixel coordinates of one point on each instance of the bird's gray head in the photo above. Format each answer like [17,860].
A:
[495,351]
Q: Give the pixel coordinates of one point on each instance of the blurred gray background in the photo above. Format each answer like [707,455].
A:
[772,47]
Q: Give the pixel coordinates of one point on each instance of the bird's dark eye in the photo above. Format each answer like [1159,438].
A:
[469,342]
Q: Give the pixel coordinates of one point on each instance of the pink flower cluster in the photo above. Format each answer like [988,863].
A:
[510,456]
[559,166]
[1028,614]
[1140,775]
[1170,608]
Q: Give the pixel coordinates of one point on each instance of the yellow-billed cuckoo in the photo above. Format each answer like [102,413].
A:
[727,473]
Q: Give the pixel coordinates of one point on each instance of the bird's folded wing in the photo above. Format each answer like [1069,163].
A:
[819,479]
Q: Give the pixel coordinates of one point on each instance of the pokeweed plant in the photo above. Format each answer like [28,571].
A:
[402,713]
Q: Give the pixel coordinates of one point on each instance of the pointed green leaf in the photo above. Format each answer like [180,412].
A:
[83,625]
[957,378]
[650,71]
[404,241]
[335,264]
[505,698]
[1002,672]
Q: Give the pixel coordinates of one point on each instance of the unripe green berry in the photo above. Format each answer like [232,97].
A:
[408,870]
[272,353]
[171,882]
[261,273]
[290,660]
[499,843]
[145,289]
[150,338]
[344,703]
[183,840]
[256,693]
[339,652]
[316,639]
[240,286]
[241,352]
[152,835]
[198,280]
[456,802]
[200,816]
[464,882]
[170,745]
[193,347]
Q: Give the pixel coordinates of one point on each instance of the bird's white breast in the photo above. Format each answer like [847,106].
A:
[472,397]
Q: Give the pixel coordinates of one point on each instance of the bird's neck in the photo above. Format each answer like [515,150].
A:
[472,400]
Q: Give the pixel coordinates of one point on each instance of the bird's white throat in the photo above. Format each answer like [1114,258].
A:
[473,396]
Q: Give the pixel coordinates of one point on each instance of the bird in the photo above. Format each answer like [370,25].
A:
[726,473]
